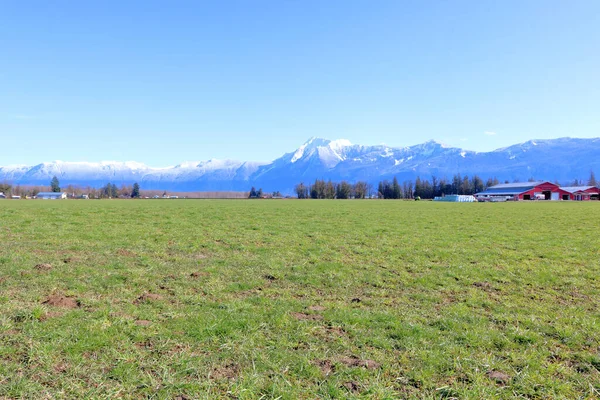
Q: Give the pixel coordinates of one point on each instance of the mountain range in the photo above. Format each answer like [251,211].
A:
[563,160]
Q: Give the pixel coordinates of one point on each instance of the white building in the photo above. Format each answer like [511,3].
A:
[51,195]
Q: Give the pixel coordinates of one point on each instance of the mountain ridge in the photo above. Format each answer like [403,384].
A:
[562,159]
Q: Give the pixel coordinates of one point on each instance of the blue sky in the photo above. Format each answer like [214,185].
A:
[163,82]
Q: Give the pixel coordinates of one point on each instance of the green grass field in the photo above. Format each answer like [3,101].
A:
[299,299]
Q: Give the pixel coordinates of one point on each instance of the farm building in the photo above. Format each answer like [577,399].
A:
[525,191]
[582,192]
[456,198]
[51,195]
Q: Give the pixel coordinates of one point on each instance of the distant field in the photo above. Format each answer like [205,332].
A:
[299,299]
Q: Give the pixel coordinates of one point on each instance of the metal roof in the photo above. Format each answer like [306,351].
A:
[50,193]
[573,189]
[498,193]
[515,185]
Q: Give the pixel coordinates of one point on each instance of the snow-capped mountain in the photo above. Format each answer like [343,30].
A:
[561,159]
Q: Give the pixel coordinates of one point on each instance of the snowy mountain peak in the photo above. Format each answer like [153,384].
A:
[329,159]
[326,149]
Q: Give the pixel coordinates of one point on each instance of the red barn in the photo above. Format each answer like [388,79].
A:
[582,192]
[526,191]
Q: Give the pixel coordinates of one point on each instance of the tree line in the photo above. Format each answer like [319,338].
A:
[110,190]
[333,190]
[419,188]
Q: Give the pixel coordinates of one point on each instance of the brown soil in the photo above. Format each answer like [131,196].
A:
[336,330]
[317,308]
[326,366]
[147,297]
[307,317]
[126,253]
[198,274]
[60,368]
[355,300]
[48,315]
[352,386]
[485,286]
[229,371]
[58,300]
[499,377]
[270,277]
[354,361]
[143,322]
[43,267]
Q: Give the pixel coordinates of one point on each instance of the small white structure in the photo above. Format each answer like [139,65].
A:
[457,198]
[51,195]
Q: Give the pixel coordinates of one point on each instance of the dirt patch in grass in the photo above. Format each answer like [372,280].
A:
[307,317]
[198,274]
[352,386]
[147,297]
[50,315]
[229,371]
[270,277]
[354,361]
[336,330]
[499,377]
[143,322]
[60,368]
[485,286]
[58,300]
[43,267]
[327,367]
[126,253]
[317,308]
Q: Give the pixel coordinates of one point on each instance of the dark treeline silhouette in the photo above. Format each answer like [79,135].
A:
[333,190]
[428,189]
[421,188]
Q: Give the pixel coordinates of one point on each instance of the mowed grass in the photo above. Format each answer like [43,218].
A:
[299,299]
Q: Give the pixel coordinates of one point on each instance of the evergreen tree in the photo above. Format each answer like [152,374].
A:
[592,180]
[477,184]
[418,192]
[135,192]
[5,188]
[259,193]
[252,193]
[55,185]
[301,191]
[396,191]
[343,190]
[330,190]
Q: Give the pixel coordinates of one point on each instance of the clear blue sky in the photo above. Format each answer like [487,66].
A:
[161,82]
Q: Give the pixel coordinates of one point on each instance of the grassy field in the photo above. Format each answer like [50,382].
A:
[299,299]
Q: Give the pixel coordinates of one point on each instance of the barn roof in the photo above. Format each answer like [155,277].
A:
[50,193]
[573,189]
[517,185]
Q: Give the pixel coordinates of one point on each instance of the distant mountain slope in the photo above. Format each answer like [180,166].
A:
[561,159]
